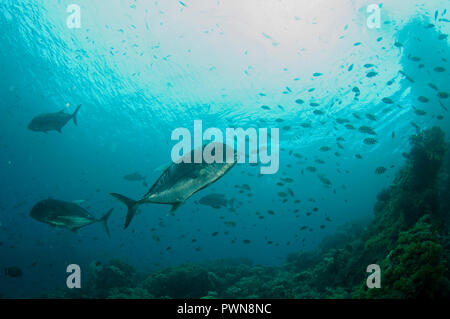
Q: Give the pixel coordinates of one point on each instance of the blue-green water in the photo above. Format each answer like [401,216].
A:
[141,69]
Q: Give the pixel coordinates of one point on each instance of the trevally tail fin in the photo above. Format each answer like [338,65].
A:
[104,220]
[132,207]
[74,115]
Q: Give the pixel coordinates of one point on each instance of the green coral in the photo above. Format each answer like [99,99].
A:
[115,274]
[408,237]
[413,269]
[184,281]
[129,293]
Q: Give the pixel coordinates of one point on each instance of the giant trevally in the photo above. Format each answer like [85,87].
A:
[52,121]
[181,180]
[66,214]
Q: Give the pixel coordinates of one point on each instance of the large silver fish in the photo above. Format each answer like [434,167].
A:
[52,121]
[181,180]
[66,214]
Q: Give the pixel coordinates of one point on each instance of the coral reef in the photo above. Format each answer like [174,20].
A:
[408,238]
[184,281]
[413,269]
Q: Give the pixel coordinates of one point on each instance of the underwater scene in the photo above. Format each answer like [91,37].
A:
[224,149]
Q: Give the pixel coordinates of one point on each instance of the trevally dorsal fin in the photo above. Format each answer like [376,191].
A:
[162,167]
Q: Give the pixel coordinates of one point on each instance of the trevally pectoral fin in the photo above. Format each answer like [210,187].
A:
[175,207]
